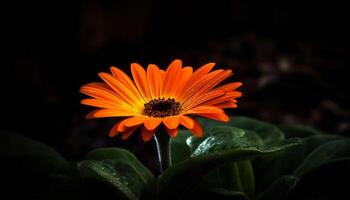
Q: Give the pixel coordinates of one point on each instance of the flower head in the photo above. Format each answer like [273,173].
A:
[156,97]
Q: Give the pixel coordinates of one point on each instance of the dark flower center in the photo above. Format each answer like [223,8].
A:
[162,107]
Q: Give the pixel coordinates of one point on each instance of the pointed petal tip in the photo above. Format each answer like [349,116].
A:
[85,87]
[186,121]
[177,60]
[124,137]
[113,68]
[87,117]
[211,63]
[152,64]
[197,129]
[152,123]
[147,135]
[81,89]
[112,135]
[135,65]
[171,122]
[237,84]
[90,115]
[134,121]
[147,139]
[172,132]
[226,119]
[127,133]
[102,75]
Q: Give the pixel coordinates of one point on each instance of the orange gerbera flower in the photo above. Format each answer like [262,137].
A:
[156,96]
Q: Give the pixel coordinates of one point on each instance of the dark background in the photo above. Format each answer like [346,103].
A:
[292,58]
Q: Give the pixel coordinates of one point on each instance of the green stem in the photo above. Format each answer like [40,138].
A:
[162,140]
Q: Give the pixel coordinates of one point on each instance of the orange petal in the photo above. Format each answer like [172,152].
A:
[147,134]
[152,123]
[171,122]
[172,132]
[226,104]
[121,127]
[207,84]
[230,86]
[126,134]
[133,121]
[99,103]
[220,77]
[186,121]
[106,96]
[162,74]
[202,71]
[100,91]
[126,81]
[185,77]
[205,97]
[120,89]
[170,76]
[197,129]
[90,115]
[198,75]
[154,81]
[114,130]
[99,85]
[227,97]
[204,109]
[194,87]
[100,113]
[216,116]
[140,77]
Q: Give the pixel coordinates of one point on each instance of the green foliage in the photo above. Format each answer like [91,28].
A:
[111,174]
[224,144]
[244,159]
[119,169]
[280,188]
[179,148]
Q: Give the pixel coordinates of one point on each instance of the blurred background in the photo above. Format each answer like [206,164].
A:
[291,57]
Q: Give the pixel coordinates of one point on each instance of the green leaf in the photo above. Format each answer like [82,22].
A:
[270,168]
[333,151]
[122,155]
[247,179]
[179,149]
[125,182]
[235,176]
[187,174]
[125,168]
[291,131]
[222,194]
[283,171]
[221,138]
[279,189]
[208,124]
[269,133]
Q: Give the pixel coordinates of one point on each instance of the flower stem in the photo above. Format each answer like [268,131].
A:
[162,140]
